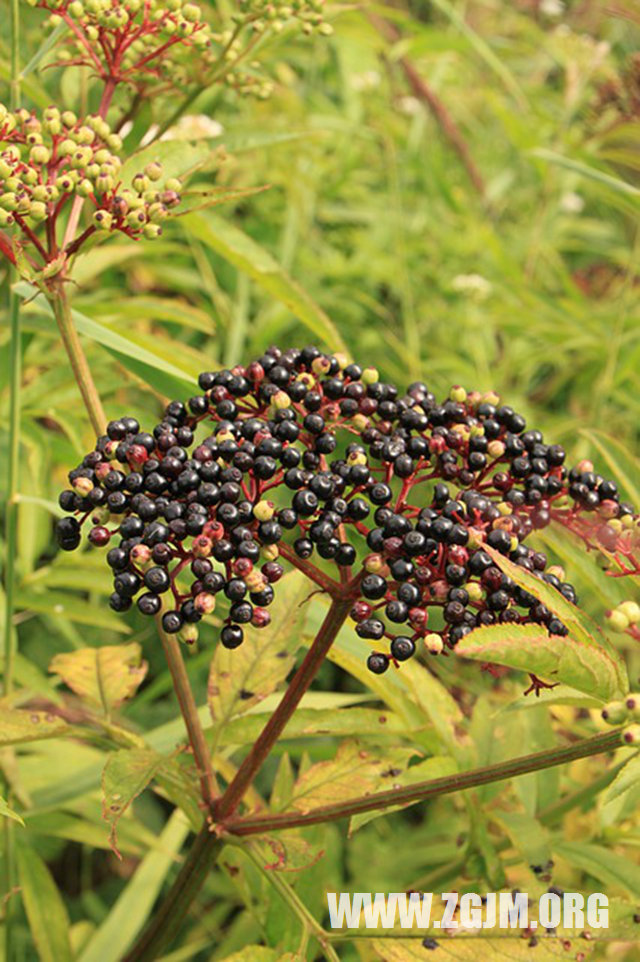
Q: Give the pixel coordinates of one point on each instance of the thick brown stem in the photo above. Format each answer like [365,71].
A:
[189,711]
[77,358]
[169,918]
[297,687]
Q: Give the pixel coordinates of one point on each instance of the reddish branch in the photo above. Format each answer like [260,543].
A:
[426,94]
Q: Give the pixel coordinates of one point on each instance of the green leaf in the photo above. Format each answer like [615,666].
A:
[178,158]
[126,775]
[256,953]
[602,863]
[620,461]
[135,903]
[60,604]
[18,726]
[146,359]
[253,260]
[46,912]
[591,173]
[242,678]
[530,648]
[622,797]
[9,812]
[527,836]
[104,676]
[307,722]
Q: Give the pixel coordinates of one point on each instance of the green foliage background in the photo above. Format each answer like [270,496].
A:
[370,237]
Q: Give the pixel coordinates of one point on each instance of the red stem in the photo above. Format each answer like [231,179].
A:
[299,684]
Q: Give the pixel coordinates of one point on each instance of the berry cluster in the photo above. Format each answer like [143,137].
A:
[46,161]
[131,41]
[304,456]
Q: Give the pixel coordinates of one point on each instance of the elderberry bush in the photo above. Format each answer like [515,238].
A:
[389,499]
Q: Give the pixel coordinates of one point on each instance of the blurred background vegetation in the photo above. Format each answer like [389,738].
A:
[452,194]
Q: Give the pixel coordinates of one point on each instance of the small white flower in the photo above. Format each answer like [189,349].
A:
[365,81]
[409,105]
[571,203]
[194,127]
[473,285]
[552,8]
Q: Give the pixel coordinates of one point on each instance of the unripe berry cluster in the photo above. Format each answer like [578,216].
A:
[134,41]
[46,160]
[304,456]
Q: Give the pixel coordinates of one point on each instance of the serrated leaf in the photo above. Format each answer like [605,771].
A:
[242,678]
[104,676]
[248,256]
[46,912]
[581,627]
[18,726]
[356,770]
[126,775]
[622,796]
[530,648]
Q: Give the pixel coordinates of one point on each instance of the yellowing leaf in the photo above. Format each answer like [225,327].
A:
[356,770]
[531,648]
[105,676]
[18,725]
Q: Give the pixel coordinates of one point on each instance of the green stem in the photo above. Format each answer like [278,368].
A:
[378,801]
[11,515]
[310,925]
[169,918]
[189,711]
[299,684]
[77,358]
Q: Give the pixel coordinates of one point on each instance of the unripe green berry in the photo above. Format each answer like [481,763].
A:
[615,713]
[152,231]
[617,621]
[631,611]
[191,12]
[153,171]
[264,510]
[8,201]
[458,394]
[103,219]
[631,735]
[40,154]
[38,211]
